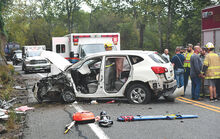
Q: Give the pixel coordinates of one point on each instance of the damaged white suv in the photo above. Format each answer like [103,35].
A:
[139,76]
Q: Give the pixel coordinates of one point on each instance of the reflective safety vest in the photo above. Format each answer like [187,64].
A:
[187,59]
[212,61]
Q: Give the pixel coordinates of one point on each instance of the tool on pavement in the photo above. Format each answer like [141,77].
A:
[105,120]
[156,117]
[83,117]
[69,126]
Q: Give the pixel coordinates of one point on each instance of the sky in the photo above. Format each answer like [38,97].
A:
[85,7]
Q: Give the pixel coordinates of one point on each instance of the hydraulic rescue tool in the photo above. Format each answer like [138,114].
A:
[80,118]
[105,120]
[156,117]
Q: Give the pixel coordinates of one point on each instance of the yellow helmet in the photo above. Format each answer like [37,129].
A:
[108,46]
[209,45]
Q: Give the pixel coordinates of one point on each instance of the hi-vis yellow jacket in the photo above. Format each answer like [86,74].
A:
[187,59]
[212,61]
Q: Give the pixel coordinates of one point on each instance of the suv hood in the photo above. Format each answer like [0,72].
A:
[60,62]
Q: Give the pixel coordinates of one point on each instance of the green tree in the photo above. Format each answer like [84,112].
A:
[3,36]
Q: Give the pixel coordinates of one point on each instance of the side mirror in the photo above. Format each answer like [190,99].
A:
[71,54]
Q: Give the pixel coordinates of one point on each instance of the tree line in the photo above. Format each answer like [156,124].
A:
[143,24]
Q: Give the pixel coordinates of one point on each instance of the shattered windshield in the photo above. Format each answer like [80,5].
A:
[93,48]
[18,55]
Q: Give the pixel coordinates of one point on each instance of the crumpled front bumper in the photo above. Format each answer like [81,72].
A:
[176,92]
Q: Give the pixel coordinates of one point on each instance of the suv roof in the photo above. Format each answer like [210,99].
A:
[122,52]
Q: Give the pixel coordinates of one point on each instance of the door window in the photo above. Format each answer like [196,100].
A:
[60,48]
[87,77]
[117,70]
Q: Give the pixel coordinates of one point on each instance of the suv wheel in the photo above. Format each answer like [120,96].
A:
[26,71]
[68,96]
[139,94]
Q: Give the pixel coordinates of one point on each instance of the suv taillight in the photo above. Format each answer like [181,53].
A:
[159,70]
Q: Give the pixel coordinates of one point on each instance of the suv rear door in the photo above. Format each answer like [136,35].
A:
[169,75]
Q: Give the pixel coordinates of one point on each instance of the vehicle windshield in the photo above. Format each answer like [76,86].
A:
[158,58]
[33,53]
[93,48]
[18,55]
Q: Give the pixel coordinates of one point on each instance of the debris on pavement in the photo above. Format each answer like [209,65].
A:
[3,114]
[6,104]
[94,102]
[24,108]
[113,101]
[156,117]
[19,88]
[2,129]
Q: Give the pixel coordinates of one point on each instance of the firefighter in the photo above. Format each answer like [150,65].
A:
[186,65]
[211,70]
[110,70]
[108,46]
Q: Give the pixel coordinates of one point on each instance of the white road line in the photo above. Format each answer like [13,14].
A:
[41,75]
[96,129]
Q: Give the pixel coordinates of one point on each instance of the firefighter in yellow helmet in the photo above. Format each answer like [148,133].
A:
[108,46]
[211,70]
[110,70]
[186,64]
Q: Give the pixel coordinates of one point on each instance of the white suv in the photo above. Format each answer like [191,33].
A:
[139,76]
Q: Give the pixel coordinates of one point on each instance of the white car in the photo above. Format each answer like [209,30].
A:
[139,76]
[34,62]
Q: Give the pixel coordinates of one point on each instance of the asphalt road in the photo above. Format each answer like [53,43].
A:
[49,119]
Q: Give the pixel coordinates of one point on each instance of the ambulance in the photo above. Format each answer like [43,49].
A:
[76,46]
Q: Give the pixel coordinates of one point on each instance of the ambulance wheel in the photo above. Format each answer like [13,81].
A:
[138,94]
[68,96]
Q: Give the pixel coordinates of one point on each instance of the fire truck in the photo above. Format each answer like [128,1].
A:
[211,26]
[75,46]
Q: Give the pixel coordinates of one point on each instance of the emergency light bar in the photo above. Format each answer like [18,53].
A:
[76,38]
[109,35]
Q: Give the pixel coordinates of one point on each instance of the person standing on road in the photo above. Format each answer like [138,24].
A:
[211,70]
[218,82]
[195,73]
[177,61]
[183,50]
[187,55]
[166,54]
[202,58]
